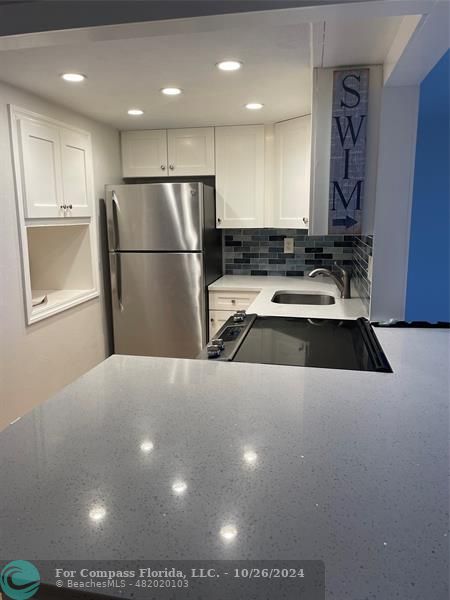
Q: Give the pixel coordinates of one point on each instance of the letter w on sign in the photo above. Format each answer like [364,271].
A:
[348,150]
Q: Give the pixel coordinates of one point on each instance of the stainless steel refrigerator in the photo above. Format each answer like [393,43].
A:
[164,251]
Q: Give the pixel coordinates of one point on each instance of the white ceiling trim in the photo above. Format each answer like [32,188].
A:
[417,48]
[312,14]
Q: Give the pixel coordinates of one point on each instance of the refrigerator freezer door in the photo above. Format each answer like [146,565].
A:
[158,303]
[155,217]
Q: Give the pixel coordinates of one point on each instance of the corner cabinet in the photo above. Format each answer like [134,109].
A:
[291,176]
[173,152]
[55,205]
[263,175]
[240,176]
[56,175]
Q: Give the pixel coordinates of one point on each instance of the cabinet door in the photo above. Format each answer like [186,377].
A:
[41,169]
[191,151]
[292,170]
[218,318]
[240,176]
[144,153]
[76,173]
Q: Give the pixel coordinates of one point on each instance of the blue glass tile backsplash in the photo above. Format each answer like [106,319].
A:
[260,252]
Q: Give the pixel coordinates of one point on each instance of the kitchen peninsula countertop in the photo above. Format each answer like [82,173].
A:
[347,467]
[350,308]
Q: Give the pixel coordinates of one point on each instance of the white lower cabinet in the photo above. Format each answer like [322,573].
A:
[217,319]
[223,305]
[233,300]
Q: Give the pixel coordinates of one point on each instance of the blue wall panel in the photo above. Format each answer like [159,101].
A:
[428,285]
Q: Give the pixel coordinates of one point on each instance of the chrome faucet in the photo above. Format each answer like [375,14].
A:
[341,278]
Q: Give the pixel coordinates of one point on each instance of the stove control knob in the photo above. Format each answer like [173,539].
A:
[239,316]
[218,342]
[213,351]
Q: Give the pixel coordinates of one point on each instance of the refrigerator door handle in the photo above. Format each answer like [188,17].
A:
[115,210]
[116,276]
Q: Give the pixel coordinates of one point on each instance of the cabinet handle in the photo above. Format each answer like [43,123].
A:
[171,167]
[305,220]
[163,167]
[63,206]
[233,301]
[219,220]
[69,206]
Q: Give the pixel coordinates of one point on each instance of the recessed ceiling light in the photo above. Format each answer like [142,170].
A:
[229,65]
[135,112]
[254,106]
[73,77]
[171,91]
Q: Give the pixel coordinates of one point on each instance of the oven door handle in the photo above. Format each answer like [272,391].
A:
[373,347]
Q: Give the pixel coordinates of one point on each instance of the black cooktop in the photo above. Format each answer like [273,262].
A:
[302,342]
[328,343]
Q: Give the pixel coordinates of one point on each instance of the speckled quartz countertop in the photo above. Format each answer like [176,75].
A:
[348,467]
[351,308]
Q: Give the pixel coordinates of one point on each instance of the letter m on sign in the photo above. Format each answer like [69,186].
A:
[348,150]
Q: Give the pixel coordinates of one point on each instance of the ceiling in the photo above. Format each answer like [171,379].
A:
[356,41]
[129,73]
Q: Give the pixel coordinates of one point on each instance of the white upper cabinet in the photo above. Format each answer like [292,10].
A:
[162,152]
[291,195]
[54,164]
[40,150]
[76,173]
[191,151]
[240,176]
[144,153]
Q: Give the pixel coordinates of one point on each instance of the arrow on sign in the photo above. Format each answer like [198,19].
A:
[347,222]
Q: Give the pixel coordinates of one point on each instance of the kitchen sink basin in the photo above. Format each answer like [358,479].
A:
[287,297]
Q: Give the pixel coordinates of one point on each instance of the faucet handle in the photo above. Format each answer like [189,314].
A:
[340,269]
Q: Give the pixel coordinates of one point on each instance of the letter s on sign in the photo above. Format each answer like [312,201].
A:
[351,91]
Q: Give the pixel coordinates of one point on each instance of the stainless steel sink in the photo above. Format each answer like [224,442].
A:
[287,297]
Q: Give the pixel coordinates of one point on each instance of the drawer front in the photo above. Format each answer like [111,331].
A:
[231,300]
[216,319]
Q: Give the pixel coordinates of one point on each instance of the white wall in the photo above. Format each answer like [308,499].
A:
[394,198]
[321,147]
[38,360]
